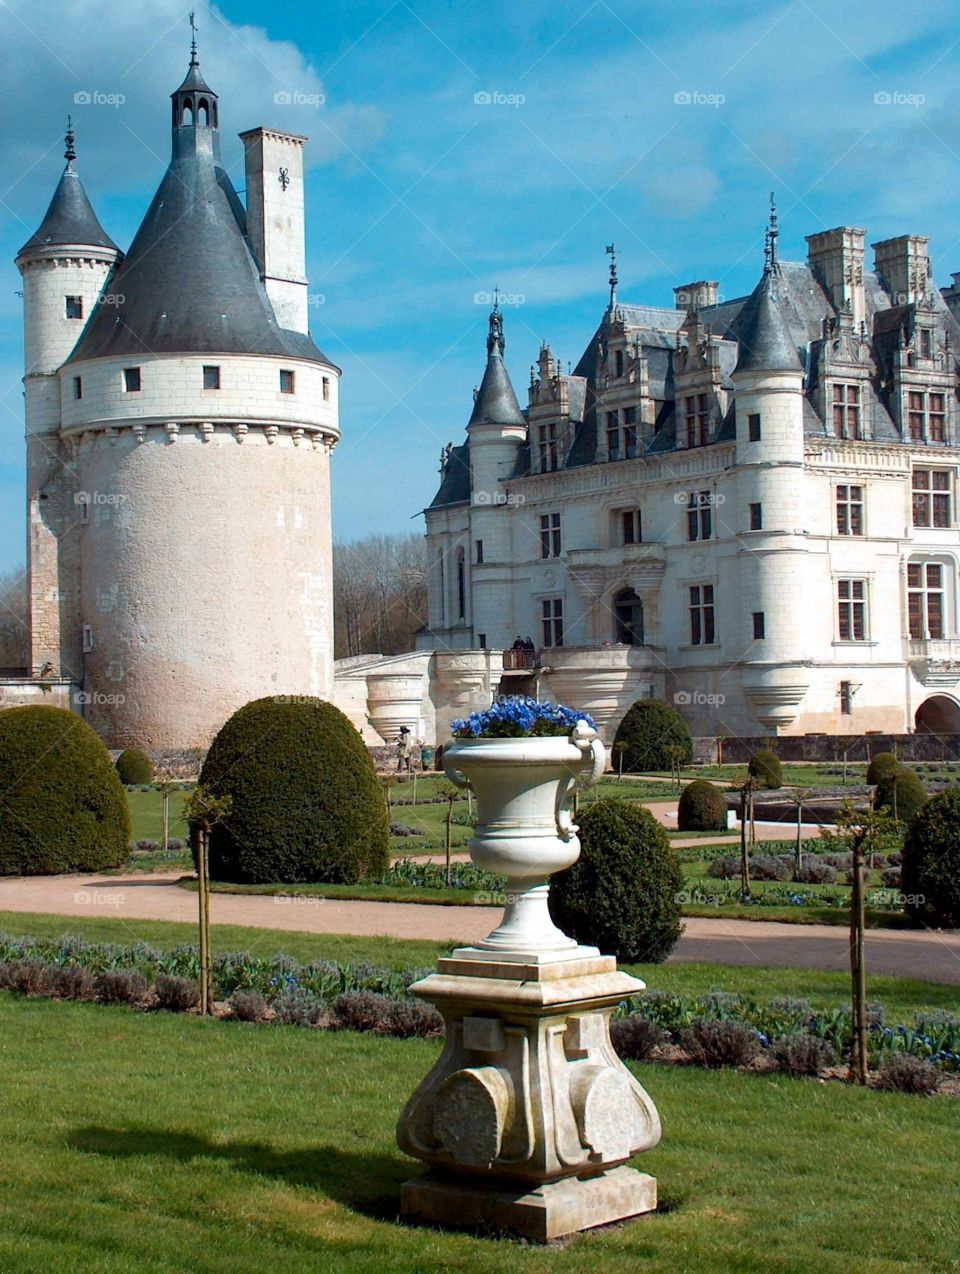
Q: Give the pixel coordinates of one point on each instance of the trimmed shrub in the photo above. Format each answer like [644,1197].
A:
[882,766]
[891,878]
[767,867]
[814,872]
[902,793]
[411,1018]
[765,769]
[702,808]
[134,767]
[120,986]
[147,846]
[175,993]
[711,1042]
[306,804]
[635,1037]
[64,807]
[72,982]
[904,1073]
[646,735]
[802,1054]
[28,977]
[248,1006]
[930,872]
[296,1006]
[724,869]
[622,893]
[359,1011]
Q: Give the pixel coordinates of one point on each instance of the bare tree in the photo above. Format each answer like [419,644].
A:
[14,620]
[379,594]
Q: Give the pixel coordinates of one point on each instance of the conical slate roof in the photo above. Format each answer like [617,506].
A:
[70,219]
[496,403]
[765,341]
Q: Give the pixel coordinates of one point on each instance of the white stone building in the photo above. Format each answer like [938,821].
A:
[747,506]
[179,427]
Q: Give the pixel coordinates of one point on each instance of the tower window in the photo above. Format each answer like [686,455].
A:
[87,638]
[756,517]
[131,380]
[753,426]
[479,552]
[286,381]
[77,387]
[326,389]
[74,306]
[211,377]
[759,625]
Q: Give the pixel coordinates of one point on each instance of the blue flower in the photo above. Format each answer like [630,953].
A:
[518,716]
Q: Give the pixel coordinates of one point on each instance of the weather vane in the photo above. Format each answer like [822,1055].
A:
[70,153]
[612,254]
[193,37]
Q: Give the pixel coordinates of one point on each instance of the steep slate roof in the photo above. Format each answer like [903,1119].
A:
[455,483]
[70,219]
[496,403]
[190,283]
[764,328]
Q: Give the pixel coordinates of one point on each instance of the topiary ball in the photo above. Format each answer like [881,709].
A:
[765,769]
[648,736]
[63,807]
[702,808]
[623,893]
[306,803]
[882,766]
[930,872]
[901,794]
[134,767]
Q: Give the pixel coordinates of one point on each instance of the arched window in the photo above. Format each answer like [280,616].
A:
[461,586]
[203,111]
[187,117]
[628,614]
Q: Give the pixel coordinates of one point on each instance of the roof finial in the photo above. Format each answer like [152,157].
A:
[193,40]
[70,153]
[772,235]
[612,254]
[495,335]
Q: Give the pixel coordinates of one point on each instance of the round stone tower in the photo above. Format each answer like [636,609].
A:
[198,427]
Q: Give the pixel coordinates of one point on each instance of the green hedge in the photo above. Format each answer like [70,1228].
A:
[901,793]
[765,768]
[649,734]
[63,807]
[306,802]
[882,766]
[930,874]
[134,767]
[623,894]
[702,808]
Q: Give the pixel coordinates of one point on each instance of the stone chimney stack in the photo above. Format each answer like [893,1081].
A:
[904,267]
[275,222]
[836,258]
[693,296]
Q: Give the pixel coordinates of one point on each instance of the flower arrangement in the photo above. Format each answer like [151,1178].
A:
[517,717]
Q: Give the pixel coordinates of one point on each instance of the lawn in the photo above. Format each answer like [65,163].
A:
[161,1143]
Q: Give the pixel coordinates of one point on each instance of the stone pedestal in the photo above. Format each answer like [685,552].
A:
[528,1117]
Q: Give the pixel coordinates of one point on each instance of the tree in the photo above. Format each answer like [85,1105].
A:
[14,621]
[203,812]
[930,876]
[648,736]
[379,594]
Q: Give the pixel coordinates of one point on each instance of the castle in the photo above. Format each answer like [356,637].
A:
[179,424]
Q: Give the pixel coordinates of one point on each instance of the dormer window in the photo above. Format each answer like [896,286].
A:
[131,380]
[286,381]
[74,307]
[926,416]
[695,411]
[926,343]
[846,411]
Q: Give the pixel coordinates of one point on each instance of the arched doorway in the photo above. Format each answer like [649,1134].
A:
[938,715]
[628,613]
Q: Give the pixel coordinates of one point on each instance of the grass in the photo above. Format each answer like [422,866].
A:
[225,1149]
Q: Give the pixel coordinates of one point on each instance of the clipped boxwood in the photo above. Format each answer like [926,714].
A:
[765,769]
[306,803]
[881,767]
[63,807]
[930,873]
[702,808]
[901,794]
[134,767]
[623,892]
[649,734]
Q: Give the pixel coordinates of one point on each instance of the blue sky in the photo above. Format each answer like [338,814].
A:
[662,129]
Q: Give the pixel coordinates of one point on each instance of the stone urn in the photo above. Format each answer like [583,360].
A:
[528,1118]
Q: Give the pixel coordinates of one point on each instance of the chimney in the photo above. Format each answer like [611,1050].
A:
[951,295]
[904,267]
[836,258]
[693,296]
[274,176]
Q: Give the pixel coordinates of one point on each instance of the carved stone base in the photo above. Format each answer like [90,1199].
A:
[528,1115]
[548,1212]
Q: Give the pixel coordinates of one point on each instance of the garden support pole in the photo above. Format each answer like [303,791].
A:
[858,969]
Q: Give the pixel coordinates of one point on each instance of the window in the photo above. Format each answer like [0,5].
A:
[846,411]
[695,411]
[78,386]
[926,417]
[326,389]
[628,615]
[618,361]
[84,500]
[550,535]
[286,381]
[849,509]
[479,552]
[630,432]
[756,517]
[753,427]
[702,628]
[699,515]
[131,380]
[915,416]
[548,448]
[926,343]
[932,498]
[211,378]
[936,418]
[552,613]
[852,609]
[846,698]
[759,625]
[482,639]
[74,307]
[461,586]
[87,638]
[925,600]
[631,526]
[613,435]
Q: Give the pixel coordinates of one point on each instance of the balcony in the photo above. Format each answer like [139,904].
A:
[935,660]
[519,660]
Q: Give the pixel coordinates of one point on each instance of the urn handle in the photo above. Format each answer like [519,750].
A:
[456,777]
[590,746]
